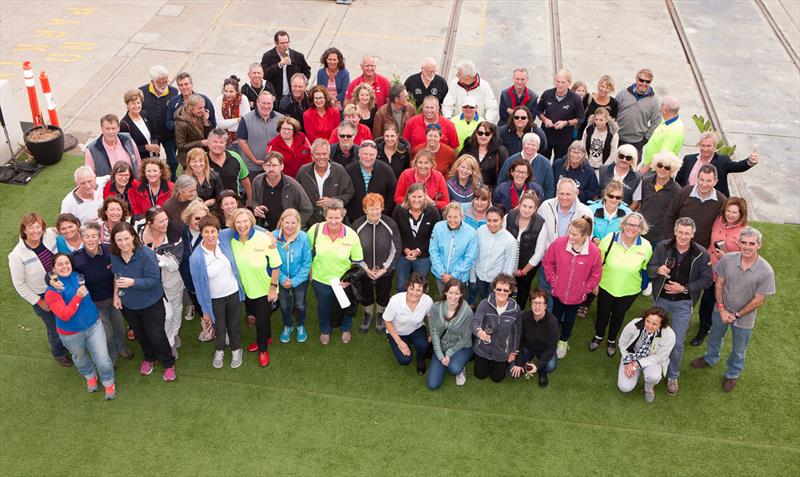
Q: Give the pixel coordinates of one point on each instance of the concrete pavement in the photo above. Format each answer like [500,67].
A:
[94,51]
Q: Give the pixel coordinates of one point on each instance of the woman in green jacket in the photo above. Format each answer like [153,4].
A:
[451,336]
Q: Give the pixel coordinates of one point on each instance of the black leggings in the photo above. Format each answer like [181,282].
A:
[613,309]
[707,303]
[524,287]
[148,325]
[261,308]
[378,292]
[487,368]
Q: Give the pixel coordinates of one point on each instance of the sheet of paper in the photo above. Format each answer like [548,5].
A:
[338,291]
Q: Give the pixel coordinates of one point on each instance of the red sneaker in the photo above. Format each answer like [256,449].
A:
[263,359]
[252,348]
[91,384]
[111,393]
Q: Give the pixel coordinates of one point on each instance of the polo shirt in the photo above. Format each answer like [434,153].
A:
[84,210]
[333,256]
[253,257]
[232,171]
[741,285]
[116,153]
[622,270]
[694,193]
[404,320]
[668,136]
[271,197]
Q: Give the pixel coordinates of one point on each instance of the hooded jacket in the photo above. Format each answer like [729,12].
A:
[506,329]
[573,276]
[453,251]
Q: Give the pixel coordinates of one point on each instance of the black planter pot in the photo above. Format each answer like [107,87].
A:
[47,152]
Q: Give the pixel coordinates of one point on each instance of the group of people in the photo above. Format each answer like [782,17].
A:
[345,188]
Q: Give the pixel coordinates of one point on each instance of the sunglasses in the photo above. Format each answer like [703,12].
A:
[483,133]
[612,196]
[521,118]
[346,136]
[468,107]
[502,290]
[624,157]
[644,81]
[666,167]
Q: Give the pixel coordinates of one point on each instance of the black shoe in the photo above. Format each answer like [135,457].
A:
[543,381]
[421,369]
[699,338]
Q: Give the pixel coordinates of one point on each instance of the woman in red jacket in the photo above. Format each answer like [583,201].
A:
[292,144]
[423,171]
[572,265]
[120,182]
[155,188]
[323,117]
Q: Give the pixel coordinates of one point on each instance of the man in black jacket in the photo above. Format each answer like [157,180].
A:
[680,269]
[687,175]
[369,175]
[280,63]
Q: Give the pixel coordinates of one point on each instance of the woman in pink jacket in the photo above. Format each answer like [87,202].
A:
[572,265]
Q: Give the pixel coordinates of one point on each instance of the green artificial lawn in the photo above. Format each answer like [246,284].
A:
[352,410]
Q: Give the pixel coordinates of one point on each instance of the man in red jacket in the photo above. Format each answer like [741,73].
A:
[416,128]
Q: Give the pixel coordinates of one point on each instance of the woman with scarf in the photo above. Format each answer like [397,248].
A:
[646,344]
[229,108]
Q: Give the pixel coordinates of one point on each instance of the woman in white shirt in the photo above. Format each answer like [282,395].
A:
[404,317]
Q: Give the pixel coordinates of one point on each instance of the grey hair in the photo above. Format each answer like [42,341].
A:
[82,171]
[708,135]
[428,60]
[671,103]
[708,169]
[751,232]
[92,226]
[687,222]
[158,71]
[253,66]
[666,157]
[182,183]
[320,142]
[565,73]
[570,181]
[520,70]
[643,228]
[334,204]
[629,150]
[467,67]
[531,137]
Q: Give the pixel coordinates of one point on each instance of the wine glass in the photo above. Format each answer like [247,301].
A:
[54,280]
[488,329]
[81,280]
[669,263]
[117,277]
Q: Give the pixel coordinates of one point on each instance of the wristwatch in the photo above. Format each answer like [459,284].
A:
[737,315]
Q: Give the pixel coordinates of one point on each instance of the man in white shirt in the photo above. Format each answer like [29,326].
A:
[84,200]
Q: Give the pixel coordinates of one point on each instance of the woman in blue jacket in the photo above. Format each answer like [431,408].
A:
[608,211]
[139,294]
[453,247]
[78,325]
[295,250]
[219,291]
[334,75]
[575,165]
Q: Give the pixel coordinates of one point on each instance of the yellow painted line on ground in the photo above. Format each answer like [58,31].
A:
[482,29]
[6,62]
[6,75]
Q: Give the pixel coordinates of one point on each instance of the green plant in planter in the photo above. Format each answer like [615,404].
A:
[396,80]
[704,125]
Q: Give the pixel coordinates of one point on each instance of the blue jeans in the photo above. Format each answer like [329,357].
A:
[418,339]
[172,158]
[548,368]
[477,291]
[545,285]
[405,267]
[297,297]
[326,300]
[681,312]
[565,314]
[114,327]
[57,349]
[87,346]
[741,338]
[456,365]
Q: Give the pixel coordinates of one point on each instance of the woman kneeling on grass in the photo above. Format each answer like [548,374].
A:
[78,325]
[646,344]
[451,336]
[539,338]
[404,318]
[139,294]
[219,291]
[496,324]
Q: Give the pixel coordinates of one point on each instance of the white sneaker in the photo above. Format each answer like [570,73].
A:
[461,378]
[649,290]
[561,349]
[236,360]
[218,357]
[188,313]
[178,341]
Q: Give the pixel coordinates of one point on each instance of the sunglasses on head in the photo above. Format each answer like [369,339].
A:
[624,157]
[666,167]
[433,126]
[641,80]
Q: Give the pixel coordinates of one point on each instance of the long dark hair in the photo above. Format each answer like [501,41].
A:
[124,227]
[454,282]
